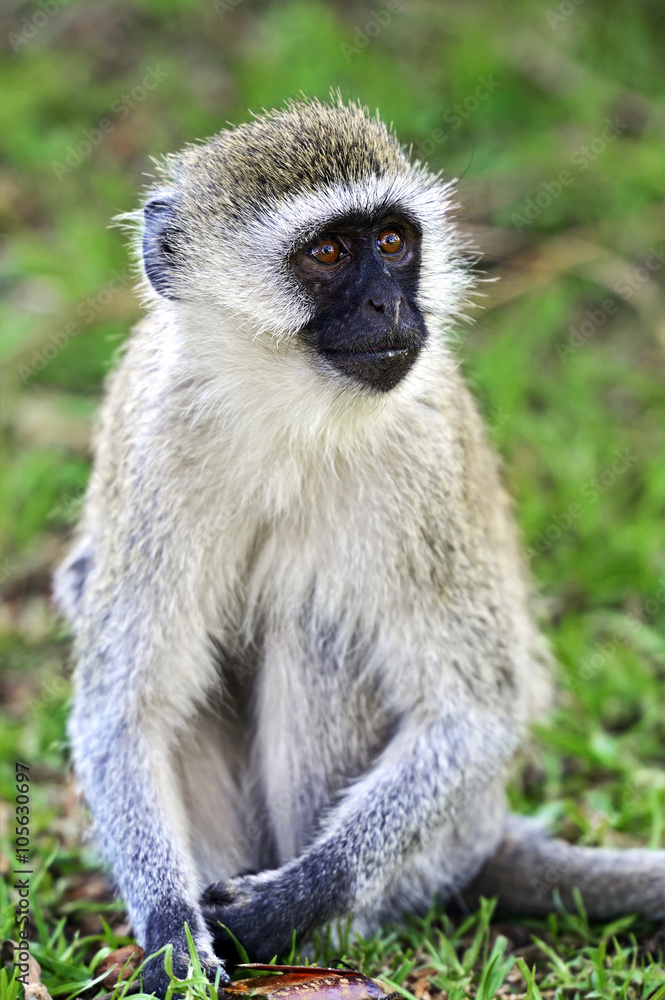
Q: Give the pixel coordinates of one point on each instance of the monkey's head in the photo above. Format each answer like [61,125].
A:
[309,225]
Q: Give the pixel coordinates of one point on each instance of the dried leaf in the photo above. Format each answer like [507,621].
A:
[420,987]
[307,982]
[120,963]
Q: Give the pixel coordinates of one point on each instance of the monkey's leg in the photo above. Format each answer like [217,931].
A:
[528,868]
[226,834]
[422,778]
[125,769]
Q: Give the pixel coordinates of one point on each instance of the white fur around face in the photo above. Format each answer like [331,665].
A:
[248,274]
[233,333]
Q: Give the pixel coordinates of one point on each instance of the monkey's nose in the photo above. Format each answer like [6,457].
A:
[379,306]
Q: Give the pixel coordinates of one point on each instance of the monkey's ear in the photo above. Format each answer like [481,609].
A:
[162,241]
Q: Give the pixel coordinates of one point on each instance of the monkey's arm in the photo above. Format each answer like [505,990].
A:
[133,593]
[423,777]
[123,765]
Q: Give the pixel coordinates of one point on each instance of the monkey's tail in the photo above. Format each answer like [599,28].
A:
[529,868]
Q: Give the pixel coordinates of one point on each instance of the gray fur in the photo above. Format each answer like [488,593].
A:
[303,637]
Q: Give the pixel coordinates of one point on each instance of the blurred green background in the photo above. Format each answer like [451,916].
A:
[554,119]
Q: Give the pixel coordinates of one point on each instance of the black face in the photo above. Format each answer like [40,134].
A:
[363,276]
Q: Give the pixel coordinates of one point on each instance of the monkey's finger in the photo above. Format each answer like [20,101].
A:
[219,894]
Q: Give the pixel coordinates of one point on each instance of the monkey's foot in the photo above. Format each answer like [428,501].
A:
[162,931]
[156,980]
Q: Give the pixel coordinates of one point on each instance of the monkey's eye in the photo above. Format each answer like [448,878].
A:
[390,241]
[326,250]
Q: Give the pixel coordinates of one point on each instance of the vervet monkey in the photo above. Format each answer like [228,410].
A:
[305,652]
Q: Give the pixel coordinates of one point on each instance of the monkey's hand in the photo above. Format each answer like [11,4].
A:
[168,928]
[261,911]
[384,819]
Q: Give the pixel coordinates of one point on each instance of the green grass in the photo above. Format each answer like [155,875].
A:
[567,360]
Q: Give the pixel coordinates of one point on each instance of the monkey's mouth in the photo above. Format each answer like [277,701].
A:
[379,354]
[380,368]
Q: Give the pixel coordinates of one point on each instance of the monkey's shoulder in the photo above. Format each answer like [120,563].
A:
[446,445]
